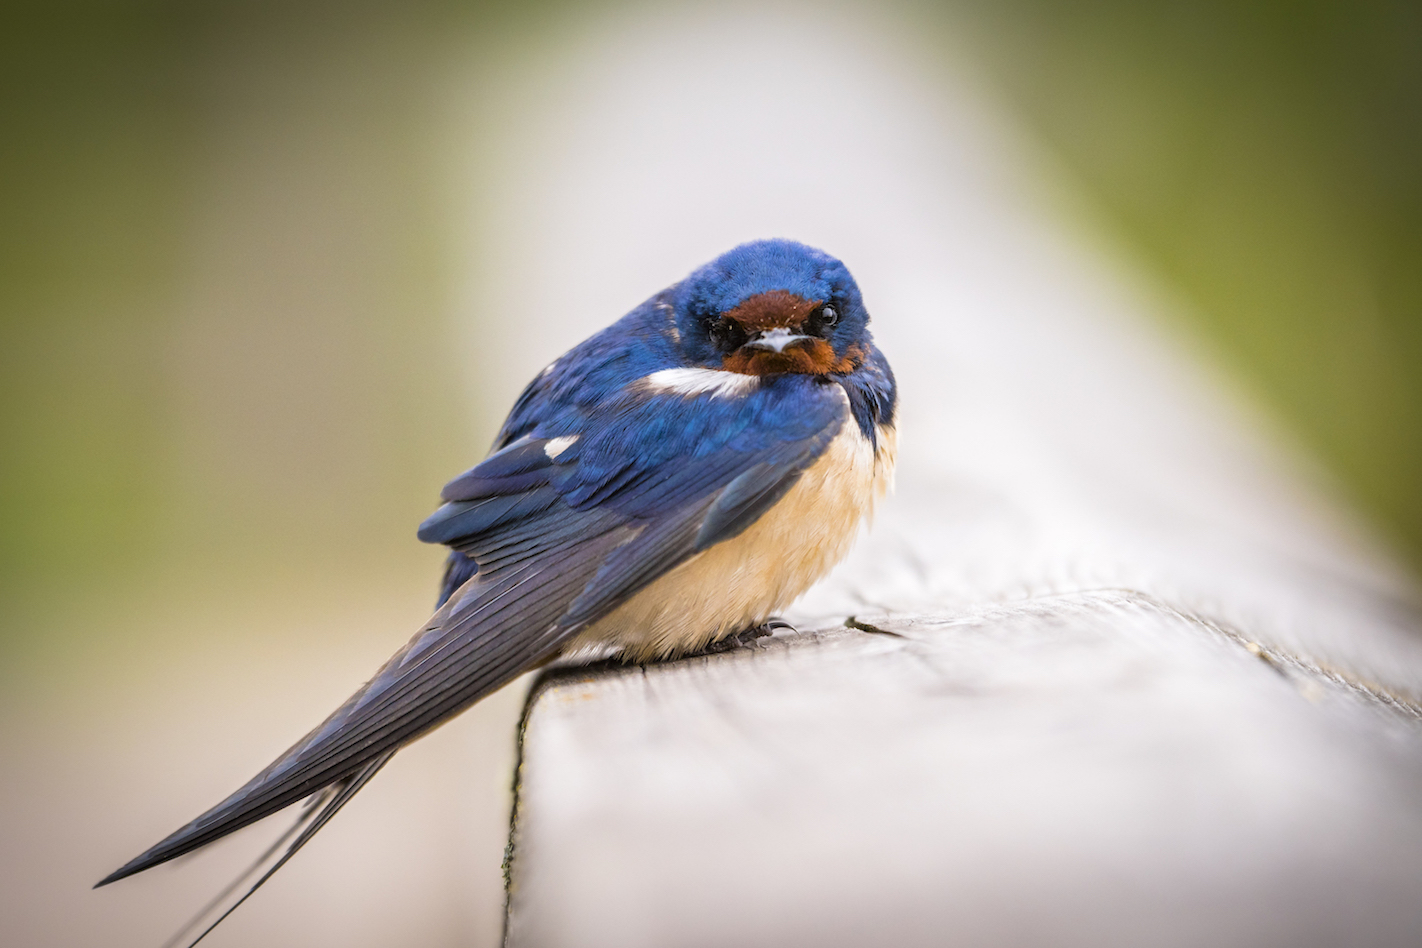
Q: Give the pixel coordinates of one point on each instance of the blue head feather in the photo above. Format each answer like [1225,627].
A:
[763,266]
[670,330]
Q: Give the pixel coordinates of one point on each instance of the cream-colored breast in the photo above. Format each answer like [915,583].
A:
[739,583]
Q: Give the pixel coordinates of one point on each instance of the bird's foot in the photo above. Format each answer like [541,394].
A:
[746,637]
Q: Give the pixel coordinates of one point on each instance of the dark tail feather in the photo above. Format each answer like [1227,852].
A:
[315,814]
[308,810]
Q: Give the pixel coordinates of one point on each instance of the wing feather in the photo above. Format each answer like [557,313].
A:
[559,539]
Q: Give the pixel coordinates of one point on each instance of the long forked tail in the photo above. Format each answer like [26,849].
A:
[478,641]
[315,814]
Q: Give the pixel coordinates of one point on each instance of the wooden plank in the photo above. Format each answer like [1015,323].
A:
[1141,680]
[1081,769]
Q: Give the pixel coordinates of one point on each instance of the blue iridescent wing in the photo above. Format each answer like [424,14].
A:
[565,523]
[680,473]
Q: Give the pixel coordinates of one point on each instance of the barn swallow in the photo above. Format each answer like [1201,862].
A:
[673,480]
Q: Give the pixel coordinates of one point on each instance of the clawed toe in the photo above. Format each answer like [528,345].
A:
[745,637]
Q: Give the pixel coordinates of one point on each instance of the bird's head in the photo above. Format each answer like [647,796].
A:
[772,306]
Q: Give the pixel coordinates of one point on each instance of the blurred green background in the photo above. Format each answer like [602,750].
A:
[223,289]
[231,379]
[1264,160]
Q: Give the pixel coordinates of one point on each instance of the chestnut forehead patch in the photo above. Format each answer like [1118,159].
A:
[771,310]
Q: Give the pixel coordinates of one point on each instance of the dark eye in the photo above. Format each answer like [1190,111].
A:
[828,316]
[726,334]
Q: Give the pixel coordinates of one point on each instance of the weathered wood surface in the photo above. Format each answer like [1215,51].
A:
[1084,769]
[1147,684]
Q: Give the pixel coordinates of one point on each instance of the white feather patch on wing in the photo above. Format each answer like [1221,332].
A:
[557,446]
[696,381]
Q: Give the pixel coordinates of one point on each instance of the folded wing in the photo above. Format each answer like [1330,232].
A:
[564,524]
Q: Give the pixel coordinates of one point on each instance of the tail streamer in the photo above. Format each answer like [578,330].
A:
[315,813]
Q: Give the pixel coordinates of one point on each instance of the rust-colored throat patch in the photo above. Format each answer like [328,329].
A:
[781,309]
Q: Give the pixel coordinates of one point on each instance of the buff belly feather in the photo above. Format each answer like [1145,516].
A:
[738,584]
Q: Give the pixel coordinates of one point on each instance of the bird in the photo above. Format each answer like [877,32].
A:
[676,479]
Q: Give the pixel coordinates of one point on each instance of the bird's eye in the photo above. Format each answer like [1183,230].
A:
[828,316]
[726,334]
